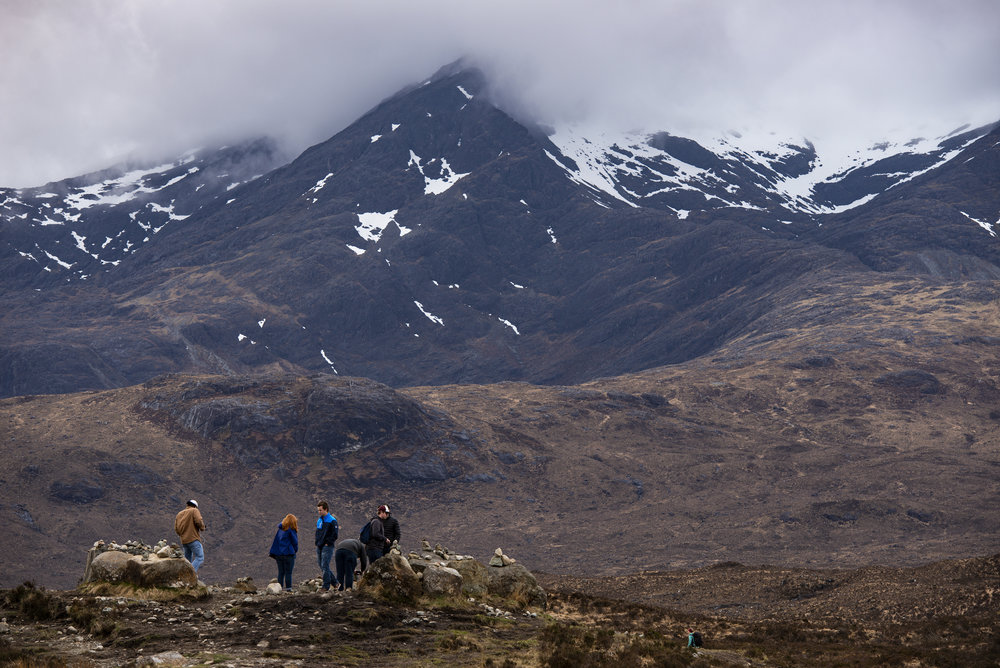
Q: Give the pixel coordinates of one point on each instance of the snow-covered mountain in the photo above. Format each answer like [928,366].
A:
[438,239]
[750,171]
[73,229]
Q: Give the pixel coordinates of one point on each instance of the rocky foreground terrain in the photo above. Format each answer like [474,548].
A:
[941,614]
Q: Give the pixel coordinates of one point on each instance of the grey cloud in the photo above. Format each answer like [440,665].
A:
[84,83]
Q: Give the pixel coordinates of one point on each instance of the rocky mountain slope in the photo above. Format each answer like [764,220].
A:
[440,240]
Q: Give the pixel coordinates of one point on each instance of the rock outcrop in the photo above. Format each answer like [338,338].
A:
[139,564]
[391,578]
[432,572]
[438,567]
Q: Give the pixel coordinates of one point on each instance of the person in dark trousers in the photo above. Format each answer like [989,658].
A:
[326,537]
[284,548]
[188,525]
[349,552]
[391,527]
[375,546]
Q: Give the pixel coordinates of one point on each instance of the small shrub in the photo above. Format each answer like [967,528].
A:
[34,603]
[364,617]
[563,646]
[507,663]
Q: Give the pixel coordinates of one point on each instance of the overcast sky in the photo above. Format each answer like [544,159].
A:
[84,83]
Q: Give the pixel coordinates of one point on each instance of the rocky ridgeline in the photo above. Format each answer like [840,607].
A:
[430,572]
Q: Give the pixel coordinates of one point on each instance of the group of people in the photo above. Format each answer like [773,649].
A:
[377,537]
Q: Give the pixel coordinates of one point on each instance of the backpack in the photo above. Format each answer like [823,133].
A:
[696,639]
[366,533]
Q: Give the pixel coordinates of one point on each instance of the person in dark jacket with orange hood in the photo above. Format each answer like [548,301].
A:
[284,547]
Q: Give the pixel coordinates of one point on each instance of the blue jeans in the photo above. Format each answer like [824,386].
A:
[194,553]
[347,561]
[374,554]
[324,554]
[286,562]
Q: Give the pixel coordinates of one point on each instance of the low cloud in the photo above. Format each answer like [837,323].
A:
[85,83]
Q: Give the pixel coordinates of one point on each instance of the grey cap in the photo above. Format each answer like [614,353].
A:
[192,502]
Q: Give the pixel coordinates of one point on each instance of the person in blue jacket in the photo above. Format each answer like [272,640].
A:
[326,537]
[284,547]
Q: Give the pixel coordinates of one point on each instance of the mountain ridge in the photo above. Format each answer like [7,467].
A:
[438,240]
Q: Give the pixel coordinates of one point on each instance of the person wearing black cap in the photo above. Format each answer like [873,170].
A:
[188,525]
[391,527]
[375,545]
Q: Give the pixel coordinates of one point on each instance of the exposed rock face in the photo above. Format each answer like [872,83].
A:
[280,420]
[77,491]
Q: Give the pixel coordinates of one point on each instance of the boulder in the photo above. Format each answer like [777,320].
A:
[516,584]
[156,572]
[475,578]
[500,559]
[172,658]
[391,578]
[106,566]
[442,581]
[142,570]
[245,584]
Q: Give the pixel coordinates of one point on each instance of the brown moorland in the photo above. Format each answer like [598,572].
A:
[864,432]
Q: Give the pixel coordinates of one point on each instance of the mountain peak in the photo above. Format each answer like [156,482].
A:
[437,239]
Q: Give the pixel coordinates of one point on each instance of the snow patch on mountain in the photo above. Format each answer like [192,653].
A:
[983,224]
[115,191]
[435,186]
[373,225]
[508,323]
[430,316]
[327,359]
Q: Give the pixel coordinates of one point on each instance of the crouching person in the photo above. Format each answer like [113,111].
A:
[349,552]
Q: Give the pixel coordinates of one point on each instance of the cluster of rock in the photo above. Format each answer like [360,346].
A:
[139,564]
[434,572]
[438,572]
